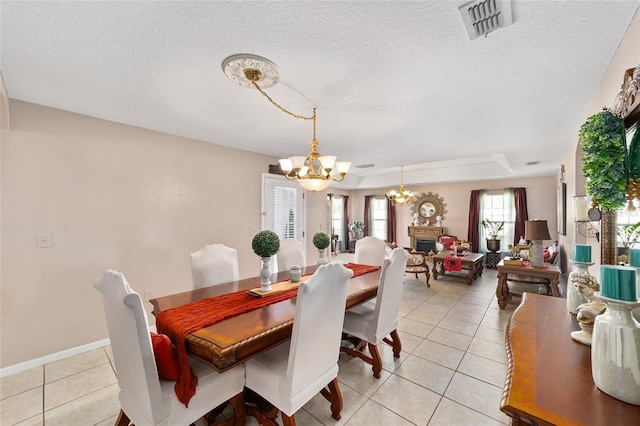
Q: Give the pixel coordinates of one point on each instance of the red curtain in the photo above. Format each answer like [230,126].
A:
[473,236]
[391,222]
[520,201]
[346,223]
[367,207]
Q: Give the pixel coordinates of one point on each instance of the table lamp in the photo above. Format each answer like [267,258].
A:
[536,231]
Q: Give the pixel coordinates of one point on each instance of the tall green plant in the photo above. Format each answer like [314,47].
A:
[604,164]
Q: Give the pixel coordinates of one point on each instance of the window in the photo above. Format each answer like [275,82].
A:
[337,218]
[498,207]
[378,220]
[283,207]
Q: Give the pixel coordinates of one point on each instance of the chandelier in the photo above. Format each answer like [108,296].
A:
[402,196]
[313,172]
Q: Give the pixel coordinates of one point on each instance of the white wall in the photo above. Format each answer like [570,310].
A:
[112,196]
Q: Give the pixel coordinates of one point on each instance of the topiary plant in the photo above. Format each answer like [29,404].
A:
[602,138]
[321,240]
[265,243]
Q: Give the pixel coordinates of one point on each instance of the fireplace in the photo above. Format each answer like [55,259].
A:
[426,245]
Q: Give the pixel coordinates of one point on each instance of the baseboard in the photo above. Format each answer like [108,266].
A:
[37,362]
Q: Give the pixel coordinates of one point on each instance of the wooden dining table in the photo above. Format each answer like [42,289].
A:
[234,340]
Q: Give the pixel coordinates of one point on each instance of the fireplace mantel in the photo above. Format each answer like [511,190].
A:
[425,232]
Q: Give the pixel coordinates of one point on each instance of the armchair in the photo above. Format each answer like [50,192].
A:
[417,264]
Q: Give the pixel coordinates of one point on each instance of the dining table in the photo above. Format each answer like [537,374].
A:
[234,340]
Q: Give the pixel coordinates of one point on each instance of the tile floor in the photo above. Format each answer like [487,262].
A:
[451,370]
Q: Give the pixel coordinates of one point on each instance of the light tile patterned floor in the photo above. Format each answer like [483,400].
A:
[451,370]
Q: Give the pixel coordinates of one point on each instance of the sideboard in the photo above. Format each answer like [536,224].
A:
[432,232]
[549,378]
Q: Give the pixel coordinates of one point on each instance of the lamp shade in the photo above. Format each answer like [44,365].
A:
[536,230]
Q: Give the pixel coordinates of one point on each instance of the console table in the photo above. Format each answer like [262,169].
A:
[549,374]
[550,272]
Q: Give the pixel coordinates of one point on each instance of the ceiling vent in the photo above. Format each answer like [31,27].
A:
[366,166]
[482,17]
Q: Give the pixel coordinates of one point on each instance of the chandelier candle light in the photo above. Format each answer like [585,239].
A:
[313,172]
[402,196]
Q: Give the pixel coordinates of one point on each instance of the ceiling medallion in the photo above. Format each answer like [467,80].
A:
[313,172]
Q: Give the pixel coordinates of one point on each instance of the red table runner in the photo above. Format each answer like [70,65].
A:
[452,263]
[179,321]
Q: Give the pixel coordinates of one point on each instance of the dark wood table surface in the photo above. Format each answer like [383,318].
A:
[232,341]
[549,378]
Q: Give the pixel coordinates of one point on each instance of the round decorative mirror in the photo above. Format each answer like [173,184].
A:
[429,206]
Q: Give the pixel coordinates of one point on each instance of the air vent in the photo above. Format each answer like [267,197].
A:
[482,17]
[366,166]
[532,163]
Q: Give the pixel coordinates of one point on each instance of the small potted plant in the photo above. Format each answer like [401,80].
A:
[356,228]
[492,229]
[628,237]
[321,241]
[265,244]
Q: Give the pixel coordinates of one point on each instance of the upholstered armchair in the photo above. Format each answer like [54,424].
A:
[446,241]
[417,264]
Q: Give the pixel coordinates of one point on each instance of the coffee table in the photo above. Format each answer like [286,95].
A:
[471,266]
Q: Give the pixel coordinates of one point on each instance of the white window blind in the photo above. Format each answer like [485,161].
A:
[378,222]
[283,208]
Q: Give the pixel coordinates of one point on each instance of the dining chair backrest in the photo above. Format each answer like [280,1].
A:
[132,351]
[317,327]
[214,264]
[291,252]
[369,251]
[385,317]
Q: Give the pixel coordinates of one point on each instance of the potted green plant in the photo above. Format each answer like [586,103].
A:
[628,237]
[604,166]
[356,228]
[265,244]
[321,241]
[606,169]
[492,229]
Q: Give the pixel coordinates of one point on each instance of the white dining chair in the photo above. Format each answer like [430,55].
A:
[292,373]
[144,398]
[369,251]
[376,320]
[214,264]
[292,252]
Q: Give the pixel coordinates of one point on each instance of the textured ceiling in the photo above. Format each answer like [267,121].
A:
[395,83]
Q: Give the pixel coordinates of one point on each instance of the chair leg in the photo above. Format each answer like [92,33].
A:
[122,420]
[394,342]
[287,421]
[239,410]
[373,360]
[334,396]
[376,360]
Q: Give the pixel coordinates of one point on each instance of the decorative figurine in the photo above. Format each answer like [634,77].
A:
[586,285]
[416,219]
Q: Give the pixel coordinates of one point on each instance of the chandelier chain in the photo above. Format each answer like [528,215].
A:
[302,117]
